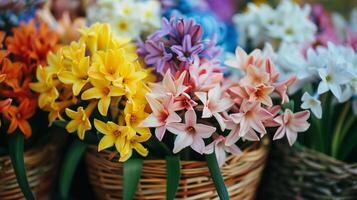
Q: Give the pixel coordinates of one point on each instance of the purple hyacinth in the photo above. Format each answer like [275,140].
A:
[175,45]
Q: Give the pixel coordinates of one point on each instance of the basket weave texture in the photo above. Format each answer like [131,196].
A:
[40,164]
[301,173]
[241,175]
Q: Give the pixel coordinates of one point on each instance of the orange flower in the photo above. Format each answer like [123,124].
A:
[18,117]
[5,104]
[30,44]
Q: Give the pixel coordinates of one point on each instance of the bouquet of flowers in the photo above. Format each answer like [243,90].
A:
[21,52]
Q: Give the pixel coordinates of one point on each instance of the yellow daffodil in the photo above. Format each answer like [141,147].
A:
[134,116]
[78,76]
[114,134]
[107,64]
[103,91]
[135,143]
[46,86]
[131,77]
[80,121]
[96,37]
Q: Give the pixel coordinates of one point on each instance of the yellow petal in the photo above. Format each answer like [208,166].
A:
[72,126]
[81,131]
[92,93]
[119,144]
[125,157]
[101,127]
[72,114]
[77,86]
[106,142]
[67,77]
[103,105]
[140,149]
[116,91]
[143,131]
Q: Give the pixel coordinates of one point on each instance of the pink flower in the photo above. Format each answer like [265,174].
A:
[242,60]
[250,117]
[214,104]
[184,101]
[282,87]
[204,75]
[162,115]
[220,148]
[190,133]
[261,94]
[169,85]
[291,124]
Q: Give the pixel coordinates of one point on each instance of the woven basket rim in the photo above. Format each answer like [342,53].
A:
[321,155]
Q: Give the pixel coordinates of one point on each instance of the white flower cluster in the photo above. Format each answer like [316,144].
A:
[286,23]
[127,18]
[334,68]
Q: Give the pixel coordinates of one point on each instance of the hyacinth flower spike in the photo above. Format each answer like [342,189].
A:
[190,133]
[162,115]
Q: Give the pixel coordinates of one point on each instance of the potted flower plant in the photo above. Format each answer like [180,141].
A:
[318,167]
[27,152]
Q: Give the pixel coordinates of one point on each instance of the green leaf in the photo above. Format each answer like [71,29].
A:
[60,123]
[70,162]
[16,151]
[217,176]
[289,105]
[132,174]
[173,174]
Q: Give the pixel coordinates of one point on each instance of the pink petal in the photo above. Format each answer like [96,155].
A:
[220,155]
[233,149]
[291,135]
[258,126]
[177,128]
[182,141]
[233,136]
[151,121]
[220,121]
[202,96]
[169,83]
[198,144]
[299,126]
[173,117]
[190,118]
[214,94]
[223,105]
[303,115]
[209,148]
[155,105]
[251,136]
[236,117]
[160,132]
[206,113]
[279,133]
[204,131]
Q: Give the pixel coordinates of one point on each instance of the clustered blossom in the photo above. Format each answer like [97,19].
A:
[288,22]
[97,78]
[127,18]
[198,105]
[26,48]
[175,45]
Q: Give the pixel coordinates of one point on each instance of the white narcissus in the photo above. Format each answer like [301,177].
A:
[309,102]
[190,133]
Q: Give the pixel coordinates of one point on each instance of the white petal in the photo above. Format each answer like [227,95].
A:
[291,135]
[323,87]
[198,144]
[182,141]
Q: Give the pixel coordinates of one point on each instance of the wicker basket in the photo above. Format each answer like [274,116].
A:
[40,166]
[301,173]
[241,174]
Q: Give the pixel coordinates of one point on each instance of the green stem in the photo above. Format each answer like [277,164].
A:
[337,136]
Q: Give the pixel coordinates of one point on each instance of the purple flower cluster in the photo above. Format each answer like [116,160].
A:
[175,45]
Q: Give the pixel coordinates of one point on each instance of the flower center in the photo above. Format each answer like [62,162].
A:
[190,130]
[163,116]
[106,90]
[328,78]
[116,133]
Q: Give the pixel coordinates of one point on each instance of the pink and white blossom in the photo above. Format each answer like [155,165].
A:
[290,124]
[190,133]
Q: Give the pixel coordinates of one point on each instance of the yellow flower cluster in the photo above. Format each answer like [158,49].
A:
[101,77]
